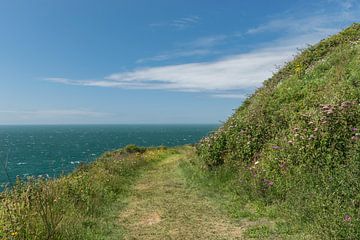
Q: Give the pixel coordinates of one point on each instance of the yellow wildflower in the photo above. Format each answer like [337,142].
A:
[298,69]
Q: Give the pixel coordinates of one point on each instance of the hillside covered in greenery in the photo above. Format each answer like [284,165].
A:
[294,145]
[285,165]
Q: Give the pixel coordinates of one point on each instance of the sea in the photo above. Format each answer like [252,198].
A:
[50,151]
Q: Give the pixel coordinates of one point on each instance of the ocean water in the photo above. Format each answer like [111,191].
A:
[53,150]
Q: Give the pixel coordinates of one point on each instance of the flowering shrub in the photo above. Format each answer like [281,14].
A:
[214,152]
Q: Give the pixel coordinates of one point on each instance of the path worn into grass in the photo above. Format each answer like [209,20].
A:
[163,207]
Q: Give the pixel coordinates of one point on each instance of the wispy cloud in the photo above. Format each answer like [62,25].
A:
[53,113]
[180,23]
[293,25]
[52,116]
[234,72]
[176,54]
[318,23]
[345,4]
[203,46]
[230,96]
[206,42]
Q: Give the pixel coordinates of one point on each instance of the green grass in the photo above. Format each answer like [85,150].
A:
[294,145]
[259,220]
[82,205]
[163,206]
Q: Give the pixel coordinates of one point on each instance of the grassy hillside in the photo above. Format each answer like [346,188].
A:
[295,143]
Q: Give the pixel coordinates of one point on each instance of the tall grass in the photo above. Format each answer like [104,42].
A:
[73,206]
[295,144]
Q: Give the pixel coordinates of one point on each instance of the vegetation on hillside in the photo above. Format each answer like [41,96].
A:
[77,206]
[294,145]
[286,165]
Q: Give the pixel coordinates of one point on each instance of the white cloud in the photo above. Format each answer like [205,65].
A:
[293,25]
[180,23]
[205,42]
[234,72]
[316,23]
[202,46]
[52,116]
[176,54]
[52,113]
[230,95]
[345,4]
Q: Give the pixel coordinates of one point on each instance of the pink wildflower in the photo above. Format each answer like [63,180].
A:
[347,218]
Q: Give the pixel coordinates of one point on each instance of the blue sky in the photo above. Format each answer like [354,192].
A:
[160,61]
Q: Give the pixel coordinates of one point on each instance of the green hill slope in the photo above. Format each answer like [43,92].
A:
[295,143]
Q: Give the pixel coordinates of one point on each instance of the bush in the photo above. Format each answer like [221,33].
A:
[133,149]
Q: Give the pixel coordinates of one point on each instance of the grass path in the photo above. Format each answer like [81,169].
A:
[162,206]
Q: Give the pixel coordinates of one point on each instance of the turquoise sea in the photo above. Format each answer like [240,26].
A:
[50,151]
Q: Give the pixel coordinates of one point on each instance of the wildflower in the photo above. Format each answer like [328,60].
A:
[291,142]
[346,104]
[354,129]
[325,107]
[268,182]
[355,138]
[14,234]
[347,218]
[283,165]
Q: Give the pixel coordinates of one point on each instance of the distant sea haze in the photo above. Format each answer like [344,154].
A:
[53,150]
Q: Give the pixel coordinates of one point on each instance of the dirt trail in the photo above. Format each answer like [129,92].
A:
[163,207]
